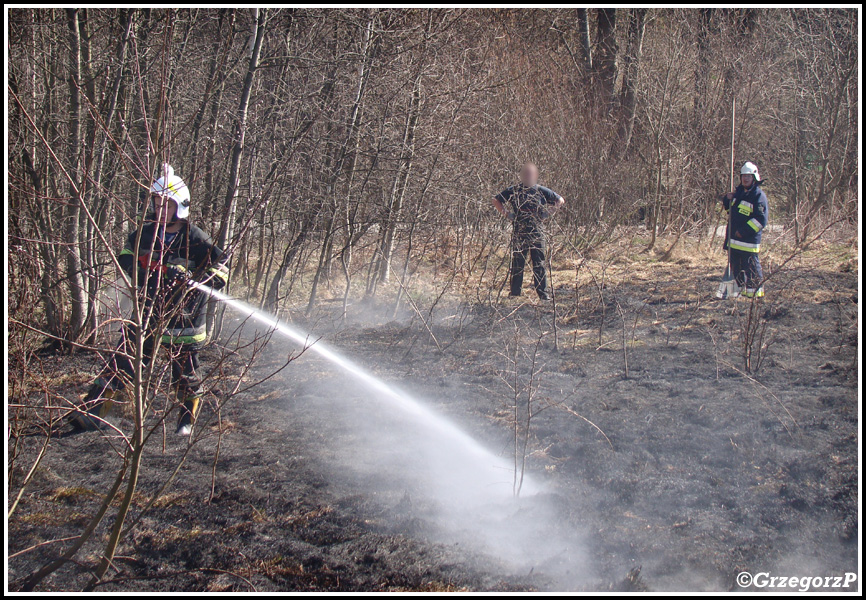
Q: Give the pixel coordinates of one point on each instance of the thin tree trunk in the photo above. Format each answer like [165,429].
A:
[42,218]
[631,62]
[73,208]
[101,207]
[260,262]
[401,181]
[585,43]
[50,260]
[829,140]
[273,296]
[226,232]
[702,72]
[658,194]
[351,135]
[230,204]
[607,50]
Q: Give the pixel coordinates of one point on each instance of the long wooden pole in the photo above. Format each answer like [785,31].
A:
[733,130]
[728,232]
[728,279]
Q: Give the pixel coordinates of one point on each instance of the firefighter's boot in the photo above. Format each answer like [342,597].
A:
[188,413]
[90,416]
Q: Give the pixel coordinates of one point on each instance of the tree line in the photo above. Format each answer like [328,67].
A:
[349,146]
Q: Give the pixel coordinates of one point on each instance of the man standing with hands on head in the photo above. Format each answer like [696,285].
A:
[528,205]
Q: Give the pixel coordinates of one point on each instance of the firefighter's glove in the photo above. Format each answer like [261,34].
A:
[175,276]
[216,282]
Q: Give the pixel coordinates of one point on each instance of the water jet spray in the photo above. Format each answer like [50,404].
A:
[498,469]
[466,490]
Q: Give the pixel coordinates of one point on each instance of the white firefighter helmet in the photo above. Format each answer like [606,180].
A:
[171,186]
[750,168]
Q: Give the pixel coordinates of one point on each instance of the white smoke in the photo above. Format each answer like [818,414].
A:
[400,446]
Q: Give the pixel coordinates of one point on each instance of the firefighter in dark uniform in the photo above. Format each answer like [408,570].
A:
[169,253]
[528,205]
[749,213]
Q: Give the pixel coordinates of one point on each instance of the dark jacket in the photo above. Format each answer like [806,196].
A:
[528,205]
[157,265]
[749,214]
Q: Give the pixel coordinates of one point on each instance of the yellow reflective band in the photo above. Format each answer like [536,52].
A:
[184,339]
[125,251]
[219,273]
[754,224]
[745,247]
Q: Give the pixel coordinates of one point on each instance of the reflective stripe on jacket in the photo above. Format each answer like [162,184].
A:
[190,251]
[749,215]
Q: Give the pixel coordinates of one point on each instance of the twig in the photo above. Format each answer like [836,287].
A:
[34,547]
[30,473]
[177,574]
[571,411]
[417,311]
[621,312]
[755,382]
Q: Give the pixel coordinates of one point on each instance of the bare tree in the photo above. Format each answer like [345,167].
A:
[73,208]
[606,65]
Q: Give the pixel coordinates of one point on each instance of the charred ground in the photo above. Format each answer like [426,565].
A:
[709,470]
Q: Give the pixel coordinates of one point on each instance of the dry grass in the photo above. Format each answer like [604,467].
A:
[172,499]
[53,519]
[304,518]
[432,586]
[172,535]
[71,494]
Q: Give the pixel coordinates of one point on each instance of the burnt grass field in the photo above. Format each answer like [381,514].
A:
[703,470]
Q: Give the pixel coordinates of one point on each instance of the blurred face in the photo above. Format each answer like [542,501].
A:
[529,175]
[164,207]
[747,180]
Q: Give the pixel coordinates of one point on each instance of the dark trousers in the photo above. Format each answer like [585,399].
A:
[119,368]
[746,268]
[534,246]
